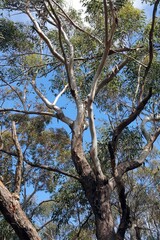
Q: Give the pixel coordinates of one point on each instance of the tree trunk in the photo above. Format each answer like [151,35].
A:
[100,202]
[98,194]
[14,215]
[97,191]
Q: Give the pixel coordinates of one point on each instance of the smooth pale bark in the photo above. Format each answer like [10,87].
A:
[15,216]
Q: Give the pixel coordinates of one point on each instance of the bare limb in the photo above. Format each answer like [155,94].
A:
[18,174]
[50,105]
[151,37]
[91,96]
[42,166]
[69,62]
[150,47]
[43,98]
[138,85]
[58,115]
[94,148]
[130,119]
[60,94]
[114,73]
[44,37]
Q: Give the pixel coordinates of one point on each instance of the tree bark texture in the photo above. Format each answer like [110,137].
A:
[14,215]
[98,194]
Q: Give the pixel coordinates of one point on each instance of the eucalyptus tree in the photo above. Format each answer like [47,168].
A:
[108,62]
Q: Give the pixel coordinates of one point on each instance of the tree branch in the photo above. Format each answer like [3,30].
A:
[44,37]
[114,73]
[130,119]
[59,115]
[51,169]
[112,145]
[60,94]
[69,62]
[18,174]
[125,217]
[12,212]
[150,47]
[76,237]
[64,14]
[91,96]
[130,165]
[44,225]
[151,37]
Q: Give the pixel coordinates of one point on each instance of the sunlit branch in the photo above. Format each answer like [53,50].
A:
[91,96]
[138,85]
[54,22]
[43,98]
[44,37]
[56,19]
[60,94]
[48,168]
[18,174]
[94,148]
[51,105]
[134,59]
